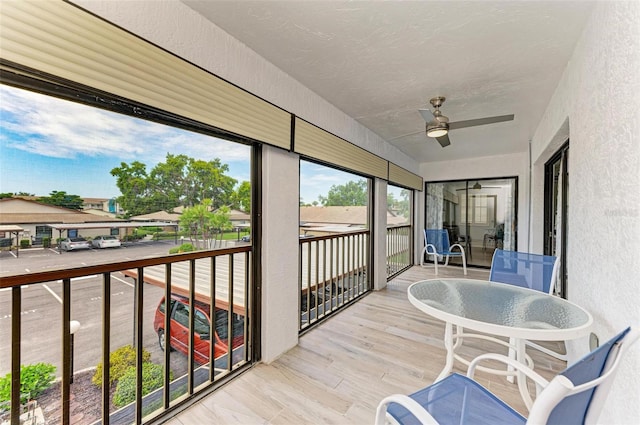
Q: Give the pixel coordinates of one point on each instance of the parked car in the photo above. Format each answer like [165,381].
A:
[72,244]
[179,314]
[105,241]
[246,238]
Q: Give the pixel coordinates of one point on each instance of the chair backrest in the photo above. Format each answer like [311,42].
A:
[534,271]
[599,364]
[439,238]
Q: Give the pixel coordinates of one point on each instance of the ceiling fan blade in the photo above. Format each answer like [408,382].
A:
[480,121]
[405,135]
[427,115]
[444,140]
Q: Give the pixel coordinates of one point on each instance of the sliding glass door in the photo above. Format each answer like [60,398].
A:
[480,215]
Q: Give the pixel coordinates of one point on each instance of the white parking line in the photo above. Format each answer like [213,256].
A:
[91,276]
[53,293]
[123,281]
[8,289]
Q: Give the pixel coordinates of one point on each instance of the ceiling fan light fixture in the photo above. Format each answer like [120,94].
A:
[437,129]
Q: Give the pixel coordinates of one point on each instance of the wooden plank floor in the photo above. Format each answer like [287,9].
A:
[341,369]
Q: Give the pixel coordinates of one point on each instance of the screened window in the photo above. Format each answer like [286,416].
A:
[116,174]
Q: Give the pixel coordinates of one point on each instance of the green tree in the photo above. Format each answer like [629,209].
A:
[391,200]
[404,203]
[203,225]
[132,180]
[62,199]
[207,180]
[15,195]
[179,180]
[196,221]
[242,199]
[167,182]
[349,194]
[221,222]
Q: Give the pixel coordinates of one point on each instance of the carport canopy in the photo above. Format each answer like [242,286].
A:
[112,225]
[62,227]
[12,230]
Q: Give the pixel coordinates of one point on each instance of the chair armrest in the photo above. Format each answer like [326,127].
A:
[530,373]
[408,403]
[430,249]
[456,245]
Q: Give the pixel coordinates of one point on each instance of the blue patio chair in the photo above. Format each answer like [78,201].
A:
[436,244]
[574,396]
[533,271]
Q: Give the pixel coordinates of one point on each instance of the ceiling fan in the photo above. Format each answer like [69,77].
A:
[438,125]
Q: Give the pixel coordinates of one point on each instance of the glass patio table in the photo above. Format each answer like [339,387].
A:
[499,310]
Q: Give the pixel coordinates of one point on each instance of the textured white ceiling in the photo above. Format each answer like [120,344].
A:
[380,62]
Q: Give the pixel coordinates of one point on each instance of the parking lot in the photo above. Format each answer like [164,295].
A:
[42,314]
[42,259]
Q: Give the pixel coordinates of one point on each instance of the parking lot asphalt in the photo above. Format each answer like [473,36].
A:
[42,259]
[41,328]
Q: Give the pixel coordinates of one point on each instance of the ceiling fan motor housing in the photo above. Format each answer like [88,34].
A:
[437,101]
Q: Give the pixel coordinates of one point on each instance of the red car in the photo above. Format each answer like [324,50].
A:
[179,313]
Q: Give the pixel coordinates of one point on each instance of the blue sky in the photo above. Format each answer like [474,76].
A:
[49,144]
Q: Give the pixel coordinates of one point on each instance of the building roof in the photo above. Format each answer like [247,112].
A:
[23,211]
[234,215]
[237,215]
[94,200]
[158,216]
[107,225]
[10,228]
[346,216]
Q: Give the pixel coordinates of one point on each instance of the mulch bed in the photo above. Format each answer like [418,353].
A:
[85,403]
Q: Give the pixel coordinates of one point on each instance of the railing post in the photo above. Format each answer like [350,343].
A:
[66,349]
[138,319]
[167,336]
[106,344]
[16,307]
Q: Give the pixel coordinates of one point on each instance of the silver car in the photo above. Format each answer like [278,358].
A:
[105,241]
[71,244]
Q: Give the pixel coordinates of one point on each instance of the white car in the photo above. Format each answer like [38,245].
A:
[71,244]
[105,241]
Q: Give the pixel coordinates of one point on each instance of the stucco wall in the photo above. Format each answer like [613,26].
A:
[597,102]
[280,291]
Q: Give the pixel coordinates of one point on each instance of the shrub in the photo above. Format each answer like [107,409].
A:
[34,379]
[152,379]
[144,231]
[46,242]
[119,362]
[185,247]
[24,243]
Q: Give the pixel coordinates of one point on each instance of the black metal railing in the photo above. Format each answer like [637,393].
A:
[334,271]
[399,252]
[211,284]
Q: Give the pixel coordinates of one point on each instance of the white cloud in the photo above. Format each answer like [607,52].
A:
[317,179]
[52,127]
